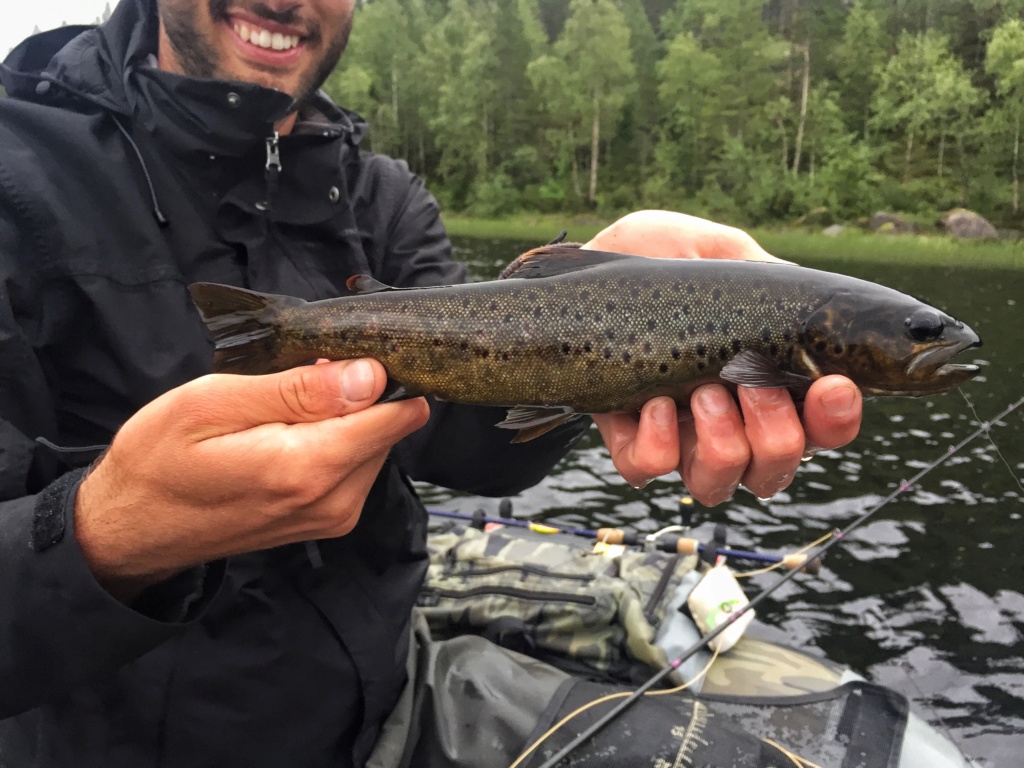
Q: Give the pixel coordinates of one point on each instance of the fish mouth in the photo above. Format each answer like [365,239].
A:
[932,366]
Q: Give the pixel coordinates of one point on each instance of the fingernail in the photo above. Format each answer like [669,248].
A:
[714,401]
[357,380]
[839,400]
[663,414]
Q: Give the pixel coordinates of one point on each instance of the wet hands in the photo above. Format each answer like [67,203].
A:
[230,464]
[758,441]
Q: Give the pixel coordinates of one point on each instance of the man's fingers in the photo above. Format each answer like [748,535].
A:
[832,413]
[716,451]
[776,439]
[222,403]
[645,449]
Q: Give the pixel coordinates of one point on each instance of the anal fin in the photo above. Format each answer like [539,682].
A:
[532,421]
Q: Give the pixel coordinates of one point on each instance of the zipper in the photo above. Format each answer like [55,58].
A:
[536,570]
[273,168]
[430,596]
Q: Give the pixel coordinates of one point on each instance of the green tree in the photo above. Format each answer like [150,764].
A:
[1005,61]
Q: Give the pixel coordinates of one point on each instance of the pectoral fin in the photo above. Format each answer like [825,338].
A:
[752,369]
[534,421]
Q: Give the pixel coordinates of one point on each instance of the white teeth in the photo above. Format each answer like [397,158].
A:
[265,38]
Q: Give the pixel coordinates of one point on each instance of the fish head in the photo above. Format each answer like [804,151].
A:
[888,343]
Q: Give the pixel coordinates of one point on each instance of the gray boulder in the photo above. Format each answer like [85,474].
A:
[890,224]
[968,225]
[834,231]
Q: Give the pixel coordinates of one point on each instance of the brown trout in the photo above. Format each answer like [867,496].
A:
[568,331]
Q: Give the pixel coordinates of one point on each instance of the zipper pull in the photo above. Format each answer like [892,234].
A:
[273,154]
[273,170]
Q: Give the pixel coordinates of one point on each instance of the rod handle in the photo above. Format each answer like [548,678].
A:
[807,565]
[611,536]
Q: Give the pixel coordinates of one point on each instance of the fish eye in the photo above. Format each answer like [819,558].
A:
[924,325]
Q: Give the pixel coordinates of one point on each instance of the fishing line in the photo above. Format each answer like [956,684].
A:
[610,697]
[840,535]
[988,434]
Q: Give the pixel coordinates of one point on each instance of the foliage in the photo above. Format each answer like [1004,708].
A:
[753,111]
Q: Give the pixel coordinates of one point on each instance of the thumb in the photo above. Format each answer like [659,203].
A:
[222,403]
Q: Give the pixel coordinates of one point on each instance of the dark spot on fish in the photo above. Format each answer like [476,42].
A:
[579,315]
[702,350]
[677,286]
[492,306]
[675,315]
[538,311]
[676,354]
[736,346]
[394,347]
[610,306]
[663,367]
[773,349]
[710,327]
[584,295]
[691,288]
[508,318]
[564,311]
[343,336]
[505,356]
[566,348]
[634,292]
[716,294]
[607,353]
[740,311]
[686,309]
[766,334]
[722,353]
[656,295]
[631,338]
[485,353]
[465,302]
[598,317]
[651,325]
[464,345]
[780,304]
[700,366]
[647,347]
[587,347]
[626,357]
[437,342]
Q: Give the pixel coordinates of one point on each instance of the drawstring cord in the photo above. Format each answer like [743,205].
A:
[157,213]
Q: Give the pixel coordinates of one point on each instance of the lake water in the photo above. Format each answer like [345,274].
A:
[928,597]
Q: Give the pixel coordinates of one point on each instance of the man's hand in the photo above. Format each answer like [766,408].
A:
[759,441]
[230,464]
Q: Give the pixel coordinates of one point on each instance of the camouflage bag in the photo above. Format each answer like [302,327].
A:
[543,596]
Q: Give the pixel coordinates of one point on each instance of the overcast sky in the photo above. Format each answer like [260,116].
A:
[20,17]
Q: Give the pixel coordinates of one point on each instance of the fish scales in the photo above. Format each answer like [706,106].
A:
[578,340]
[575,331]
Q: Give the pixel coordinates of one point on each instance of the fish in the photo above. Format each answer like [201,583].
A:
[568,331]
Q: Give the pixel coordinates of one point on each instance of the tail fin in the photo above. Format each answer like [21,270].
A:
[244,326]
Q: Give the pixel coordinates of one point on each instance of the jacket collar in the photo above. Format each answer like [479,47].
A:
[110,67]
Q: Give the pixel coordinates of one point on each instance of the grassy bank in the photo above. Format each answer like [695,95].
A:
[798,246]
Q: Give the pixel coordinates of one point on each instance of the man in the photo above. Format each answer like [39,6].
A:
[185,143]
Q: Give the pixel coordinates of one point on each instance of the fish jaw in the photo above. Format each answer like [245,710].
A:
[929,370]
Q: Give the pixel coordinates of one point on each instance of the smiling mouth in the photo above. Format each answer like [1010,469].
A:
[264,38]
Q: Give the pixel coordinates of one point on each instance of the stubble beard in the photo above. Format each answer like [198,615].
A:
[198,57]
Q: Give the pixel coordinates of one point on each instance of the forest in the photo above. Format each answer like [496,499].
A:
[740,110]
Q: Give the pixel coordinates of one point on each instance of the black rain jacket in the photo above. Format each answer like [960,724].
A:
[119,185]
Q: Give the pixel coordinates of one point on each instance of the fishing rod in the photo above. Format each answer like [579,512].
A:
[665,543]
[838,536]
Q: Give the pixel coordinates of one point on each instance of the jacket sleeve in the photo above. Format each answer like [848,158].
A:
[460,447]
[58,627]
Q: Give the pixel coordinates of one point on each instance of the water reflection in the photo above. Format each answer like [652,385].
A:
[927,598]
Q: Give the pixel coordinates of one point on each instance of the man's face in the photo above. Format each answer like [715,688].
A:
[290,45]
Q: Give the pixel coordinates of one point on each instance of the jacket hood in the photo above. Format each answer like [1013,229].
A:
[110,67]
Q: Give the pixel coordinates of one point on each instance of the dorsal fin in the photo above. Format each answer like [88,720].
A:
[360,284]
[550,260]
